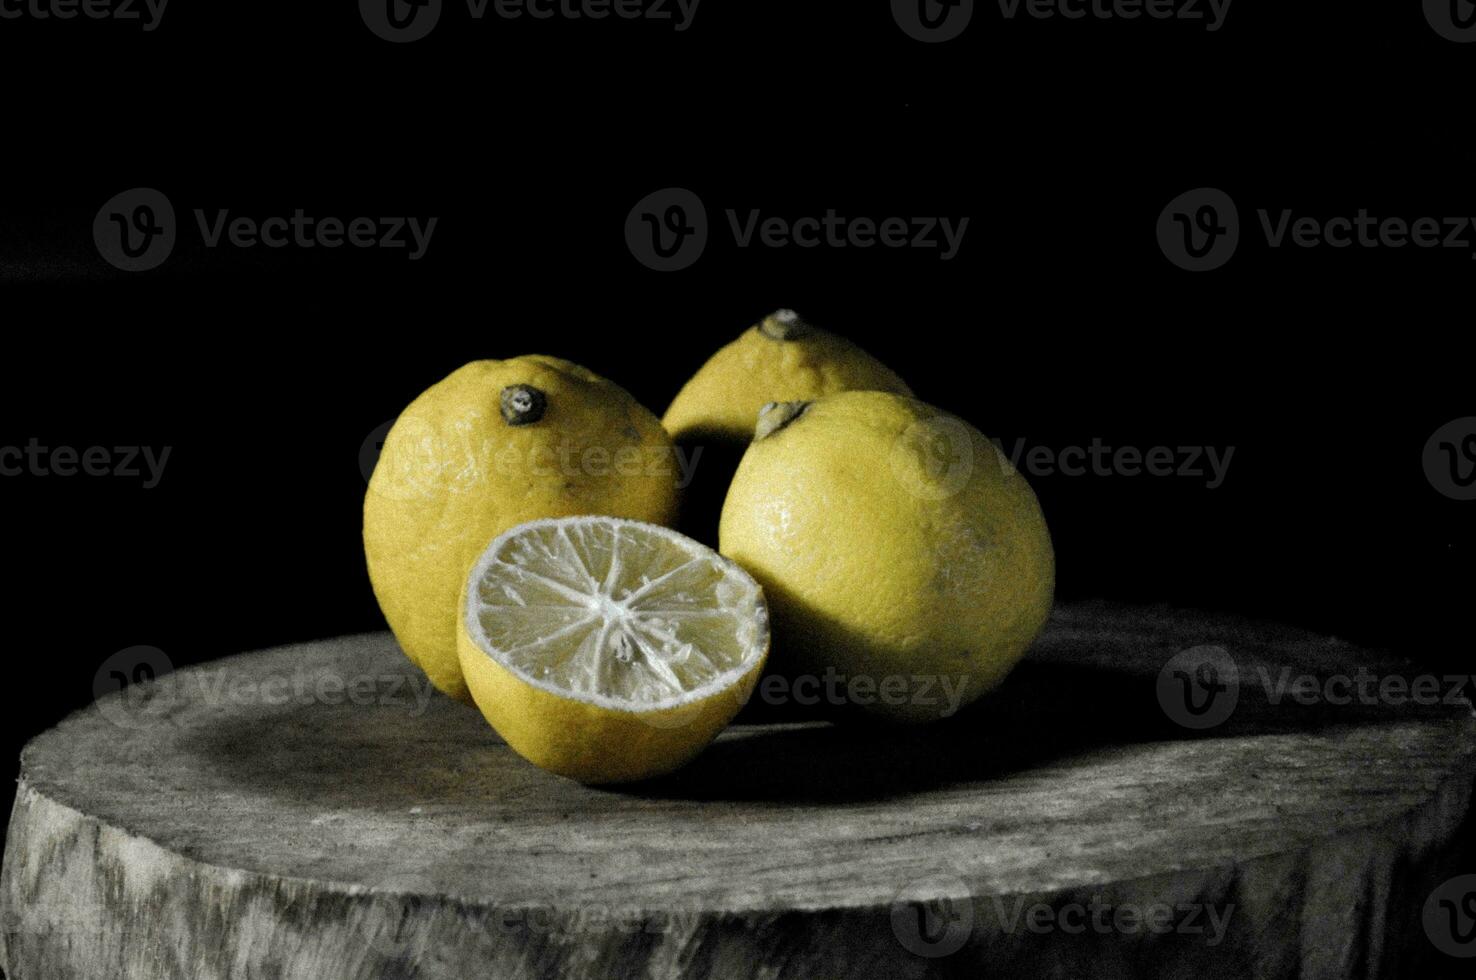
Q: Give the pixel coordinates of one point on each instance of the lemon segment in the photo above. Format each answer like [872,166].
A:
[609,650]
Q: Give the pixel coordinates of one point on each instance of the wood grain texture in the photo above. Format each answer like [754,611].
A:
[251,819]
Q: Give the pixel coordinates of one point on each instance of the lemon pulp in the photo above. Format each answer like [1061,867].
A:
[608,649]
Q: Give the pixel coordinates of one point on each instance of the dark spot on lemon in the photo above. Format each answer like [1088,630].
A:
[523,404]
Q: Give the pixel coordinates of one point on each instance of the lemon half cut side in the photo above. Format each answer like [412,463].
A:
[609,650]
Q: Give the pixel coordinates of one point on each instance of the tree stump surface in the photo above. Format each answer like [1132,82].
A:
[315,812]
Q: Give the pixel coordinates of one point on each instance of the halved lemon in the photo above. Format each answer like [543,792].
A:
[609,650]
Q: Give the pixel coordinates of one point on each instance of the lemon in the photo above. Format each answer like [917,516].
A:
[609,650]
[900,552]
[493,445]
[782,358]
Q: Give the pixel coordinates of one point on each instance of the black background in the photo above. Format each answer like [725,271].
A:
[1060,321]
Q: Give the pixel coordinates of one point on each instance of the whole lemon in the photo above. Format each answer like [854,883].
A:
[907,564]
[495,444]
[781,358]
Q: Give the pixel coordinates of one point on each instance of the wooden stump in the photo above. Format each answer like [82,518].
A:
[310,812]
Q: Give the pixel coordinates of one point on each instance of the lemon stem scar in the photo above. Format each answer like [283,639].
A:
[523,404]
[784,325]
[775,416]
